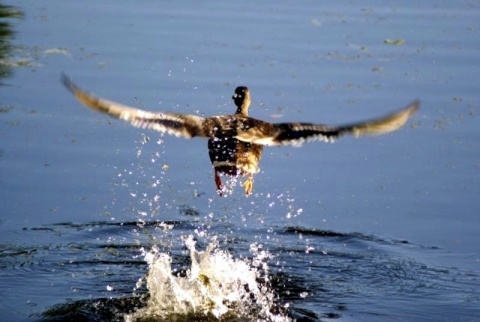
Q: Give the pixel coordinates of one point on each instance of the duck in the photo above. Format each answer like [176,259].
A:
[236,141]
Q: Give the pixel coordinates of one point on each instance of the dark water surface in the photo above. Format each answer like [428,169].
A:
[375,229]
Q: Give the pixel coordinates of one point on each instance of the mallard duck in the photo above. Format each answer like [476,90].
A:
[236,141]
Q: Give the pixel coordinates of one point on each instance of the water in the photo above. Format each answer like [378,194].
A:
[94,215]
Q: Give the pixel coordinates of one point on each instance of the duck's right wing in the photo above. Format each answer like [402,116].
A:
[259,132]
[181,125]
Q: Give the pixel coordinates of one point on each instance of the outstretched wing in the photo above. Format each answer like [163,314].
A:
[181,125]
[298,133]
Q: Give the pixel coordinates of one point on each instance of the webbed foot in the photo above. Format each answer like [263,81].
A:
[248,184]
[219,184]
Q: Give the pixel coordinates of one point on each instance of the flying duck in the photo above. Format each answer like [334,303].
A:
[236,141]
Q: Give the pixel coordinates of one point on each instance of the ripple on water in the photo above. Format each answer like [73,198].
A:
[310,275]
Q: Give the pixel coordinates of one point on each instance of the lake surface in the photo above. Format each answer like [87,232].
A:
[100,221]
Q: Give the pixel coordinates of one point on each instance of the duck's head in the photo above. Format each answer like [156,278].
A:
[241,97]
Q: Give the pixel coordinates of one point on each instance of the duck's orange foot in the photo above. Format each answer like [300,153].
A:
[219,184]
[248,184]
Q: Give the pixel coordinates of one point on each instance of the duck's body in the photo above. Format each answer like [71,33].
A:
[235,142]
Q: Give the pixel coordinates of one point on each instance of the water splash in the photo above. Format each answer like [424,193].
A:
[215,286]
[139,184]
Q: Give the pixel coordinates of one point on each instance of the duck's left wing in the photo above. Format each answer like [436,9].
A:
[259,132]
[182,125]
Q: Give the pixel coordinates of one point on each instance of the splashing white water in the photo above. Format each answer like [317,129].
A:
[216,285]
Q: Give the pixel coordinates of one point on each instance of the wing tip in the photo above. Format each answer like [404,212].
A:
[67,82]
[413,107]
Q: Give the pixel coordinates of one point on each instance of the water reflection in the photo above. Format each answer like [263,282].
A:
[6,36]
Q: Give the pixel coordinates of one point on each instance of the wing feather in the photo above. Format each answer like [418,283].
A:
[296,134]
[181,125]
